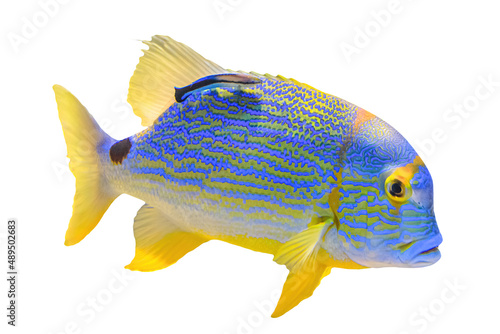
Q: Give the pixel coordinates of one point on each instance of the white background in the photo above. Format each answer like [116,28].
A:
[428,58]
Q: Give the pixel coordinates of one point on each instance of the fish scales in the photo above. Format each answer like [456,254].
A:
[255,161]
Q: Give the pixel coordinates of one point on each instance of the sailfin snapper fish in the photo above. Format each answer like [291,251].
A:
[259,161]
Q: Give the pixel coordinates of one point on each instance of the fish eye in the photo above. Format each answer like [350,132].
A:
[397,190]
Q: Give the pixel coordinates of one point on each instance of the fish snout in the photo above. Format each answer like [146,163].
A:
[422,253]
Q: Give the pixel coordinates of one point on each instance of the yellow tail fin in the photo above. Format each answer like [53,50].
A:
[83,139]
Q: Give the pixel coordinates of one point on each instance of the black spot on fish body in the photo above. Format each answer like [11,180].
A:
[182,93]
[119,151]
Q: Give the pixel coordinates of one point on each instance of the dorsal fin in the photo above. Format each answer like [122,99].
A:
[280,78]
[165,65]
[226,78]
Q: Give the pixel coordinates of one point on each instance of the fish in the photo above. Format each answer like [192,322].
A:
[258,161]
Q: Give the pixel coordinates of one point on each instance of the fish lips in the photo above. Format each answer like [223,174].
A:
[423,252]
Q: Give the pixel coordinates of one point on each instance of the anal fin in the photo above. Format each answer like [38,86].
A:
[159,243]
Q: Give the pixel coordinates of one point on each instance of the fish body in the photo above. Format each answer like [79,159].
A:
[262,162]
[253,162]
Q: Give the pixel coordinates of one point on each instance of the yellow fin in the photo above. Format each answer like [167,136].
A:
[159,243]
[83,138]
[165,65]
[299,255]
[302,248]
[299,286]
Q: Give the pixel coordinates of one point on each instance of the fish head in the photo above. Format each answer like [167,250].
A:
[385,201]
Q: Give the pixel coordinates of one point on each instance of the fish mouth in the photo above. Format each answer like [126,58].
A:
[424,252]
[429,251]
[426,258]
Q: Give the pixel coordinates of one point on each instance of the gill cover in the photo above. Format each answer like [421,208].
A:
[386,213]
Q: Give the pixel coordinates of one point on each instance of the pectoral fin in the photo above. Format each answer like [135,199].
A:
[159,243]
[299,254]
